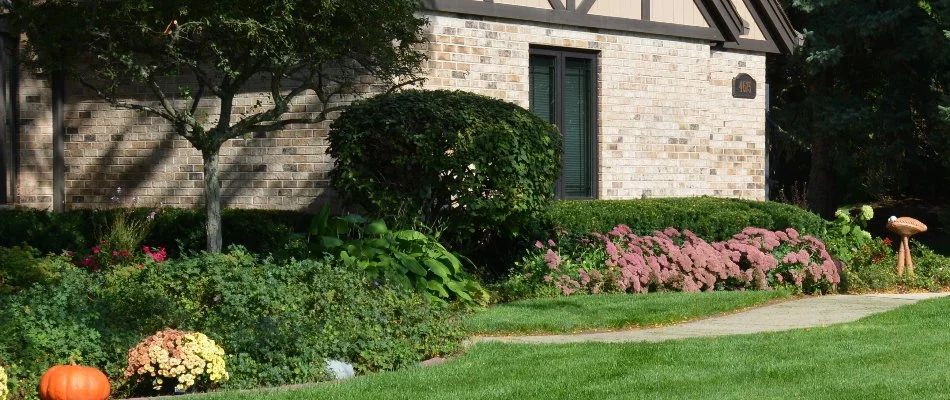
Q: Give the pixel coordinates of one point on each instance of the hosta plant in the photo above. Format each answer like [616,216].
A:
[187,359]
[405,257]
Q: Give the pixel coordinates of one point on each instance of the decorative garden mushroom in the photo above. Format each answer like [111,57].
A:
[906,227]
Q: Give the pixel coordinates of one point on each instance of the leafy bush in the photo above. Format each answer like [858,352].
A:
[68,321]
[405,257]
[846,235]
[873,268]
[480,166]
[622,261]
[278,321]
[710,218]
[21,267]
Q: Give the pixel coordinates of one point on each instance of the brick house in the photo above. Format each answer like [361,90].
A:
[655,98]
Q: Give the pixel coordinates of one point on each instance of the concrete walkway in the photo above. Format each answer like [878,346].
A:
[804,313]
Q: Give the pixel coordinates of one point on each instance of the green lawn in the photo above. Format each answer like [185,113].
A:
[614,311]
[901,354]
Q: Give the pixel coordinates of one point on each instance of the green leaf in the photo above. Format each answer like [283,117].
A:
[459,289]
[453,261]
[437,287]
[354,219]
[845,229]
[410,235]
[411,264]
[318,225]
[377,227]
[436,267]
[378,243]
[330,242]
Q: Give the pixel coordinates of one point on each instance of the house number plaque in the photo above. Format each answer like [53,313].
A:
[743,87]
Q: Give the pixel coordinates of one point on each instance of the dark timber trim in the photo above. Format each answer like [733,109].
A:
[561,54]
[765,46]
[586,6]
[725,25]
[726,17]
[564,17]
[58,86]
[786,37]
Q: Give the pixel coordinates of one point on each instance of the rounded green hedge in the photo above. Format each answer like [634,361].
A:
[476,165]
[708,217]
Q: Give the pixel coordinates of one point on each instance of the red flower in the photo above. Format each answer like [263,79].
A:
[887,241]
[115,253]
[95,249]
[125,253]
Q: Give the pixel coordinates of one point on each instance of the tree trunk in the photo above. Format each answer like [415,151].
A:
[212,200]
[821,177]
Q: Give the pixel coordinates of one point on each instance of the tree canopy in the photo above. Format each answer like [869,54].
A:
[860,101]
[335,49]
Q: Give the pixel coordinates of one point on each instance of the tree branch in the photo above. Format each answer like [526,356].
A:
[115,102]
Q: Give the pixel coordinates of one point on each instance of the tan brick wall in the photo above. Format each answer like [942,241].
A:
[668,125]
[35,172]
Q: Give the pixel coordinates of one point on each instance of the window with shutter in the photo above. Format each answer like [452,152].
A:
[562,90]
[8,84]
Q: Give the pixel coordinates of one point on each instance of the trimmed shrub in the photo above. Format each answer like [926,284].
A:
[710,218]
[176,229]
[478,166]
[277,321]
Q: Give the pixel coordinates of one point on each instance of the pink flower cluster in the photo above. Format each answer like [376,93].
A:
[158,254]
[673,260]
[103,256]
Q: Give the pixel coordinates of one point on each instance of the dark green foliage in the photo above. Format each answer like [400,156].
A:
[277,321]
[710,218]
[478,166]
[874,268]
[407,258]
[260,231]
[21,267]
[80,318]
[856,108]
[46,231]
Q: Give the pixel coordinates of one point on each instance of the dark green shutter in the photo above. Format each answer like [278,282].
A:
[576,130]
[542,86]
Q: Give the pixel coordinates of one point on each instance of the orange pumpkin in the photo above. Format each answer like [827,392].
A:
[74,382]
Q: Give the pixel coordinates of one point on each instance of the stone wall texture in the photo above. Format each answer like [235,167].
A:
[668,125]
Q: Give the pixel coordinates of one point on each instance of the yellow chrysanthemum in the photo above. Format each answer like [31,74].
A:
[184,356]
[4,390]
